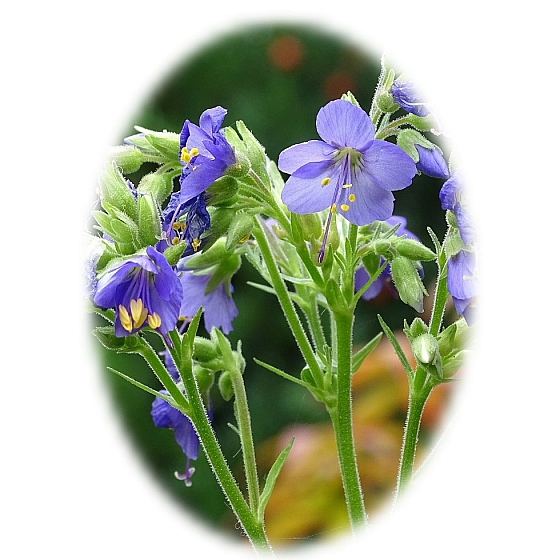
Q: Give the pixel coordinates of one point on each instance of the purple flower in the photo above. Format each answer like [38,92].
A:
[384,279]
[406,96]
[431,163]
[462,283]
[451,197]
[144,291]
[204,153]
[185,221]
[218,305]
[347,171]
[166,416]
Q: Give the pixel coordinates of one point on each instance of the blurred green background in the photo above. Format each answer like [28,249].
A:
[275,78]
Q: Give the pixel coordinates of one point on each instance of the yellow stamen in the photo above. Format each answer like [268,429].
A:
[325,181]
[194,152]
[154,320]
[195,244]
[352,198]
[333,208]
[138,312]
[347,186]
[185,156]
[344,207]
[175,241]
[125,319]
[244,239]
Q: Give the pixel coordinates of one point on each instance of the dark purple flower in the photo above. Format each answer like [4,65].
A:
[218,306]
[204,153]
[185,221]
[462,283]
[406,96]
[431,163]
[347,171]
[384,279]
[143,290]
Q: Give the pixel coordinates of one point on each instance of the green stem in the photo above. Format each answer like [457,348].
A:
[416,403]
[246,437]
[253,528]
[286,304]
[342,423]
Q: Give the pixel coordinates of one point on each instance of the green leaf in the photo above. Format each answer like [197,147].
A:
[361,354]
[166,398]
[398,350]
[280,373]
[271,479]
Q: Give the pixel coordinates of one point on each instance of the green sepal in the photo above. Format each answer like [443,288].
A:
[408,282]
[122,345]
[149,222]
[416,328]
[386,103]
[412,249]
[408,139]
[173,253]
[239,230]
[128,158]
[222,191]
[204,378]
[225,386]
[349,96]
[159,185]
[423,124]
[223,273]
[166,143]
[271,479]
[311,226]
[255,152]
[115,192]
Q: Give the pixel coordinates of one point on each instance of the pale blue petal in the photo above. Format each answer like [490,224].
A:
[294,157]
[389,167]
[342,124]
[304,195]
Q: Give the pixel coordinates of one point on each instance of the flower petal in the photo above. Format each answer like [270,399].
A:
[389,166]
[304,195]
[370,203]
[295,157]
[342,124]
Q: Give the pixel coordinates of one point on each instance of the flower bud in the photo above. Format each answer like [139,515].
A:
[221,191]
[240,168]
[311,226]
[204,378]
[205,350]
[128,158]
[424,348]
[115,192]
[412,249]
[156,184]
[408,282]
[225,386]
[173,253]
[149,221]
[239,230]
[386,103]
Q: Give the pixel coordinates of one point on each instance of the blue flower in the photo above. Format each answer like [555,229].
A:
[406,96]
[462,281]
[347,171]
[218,305]
[185,221]
[384,279]
[143,290]
[452,197]
[431,162]
[166,416]
[204,153]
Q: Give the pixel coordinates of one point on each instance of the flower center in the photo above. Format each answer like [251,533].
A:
[135,317]
[354,157]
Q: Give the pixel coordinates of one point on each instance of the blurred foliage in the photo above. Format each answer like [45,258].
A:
[275,79]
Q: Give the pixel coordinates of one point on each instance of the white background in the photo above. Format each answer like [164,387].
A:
[71,485]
